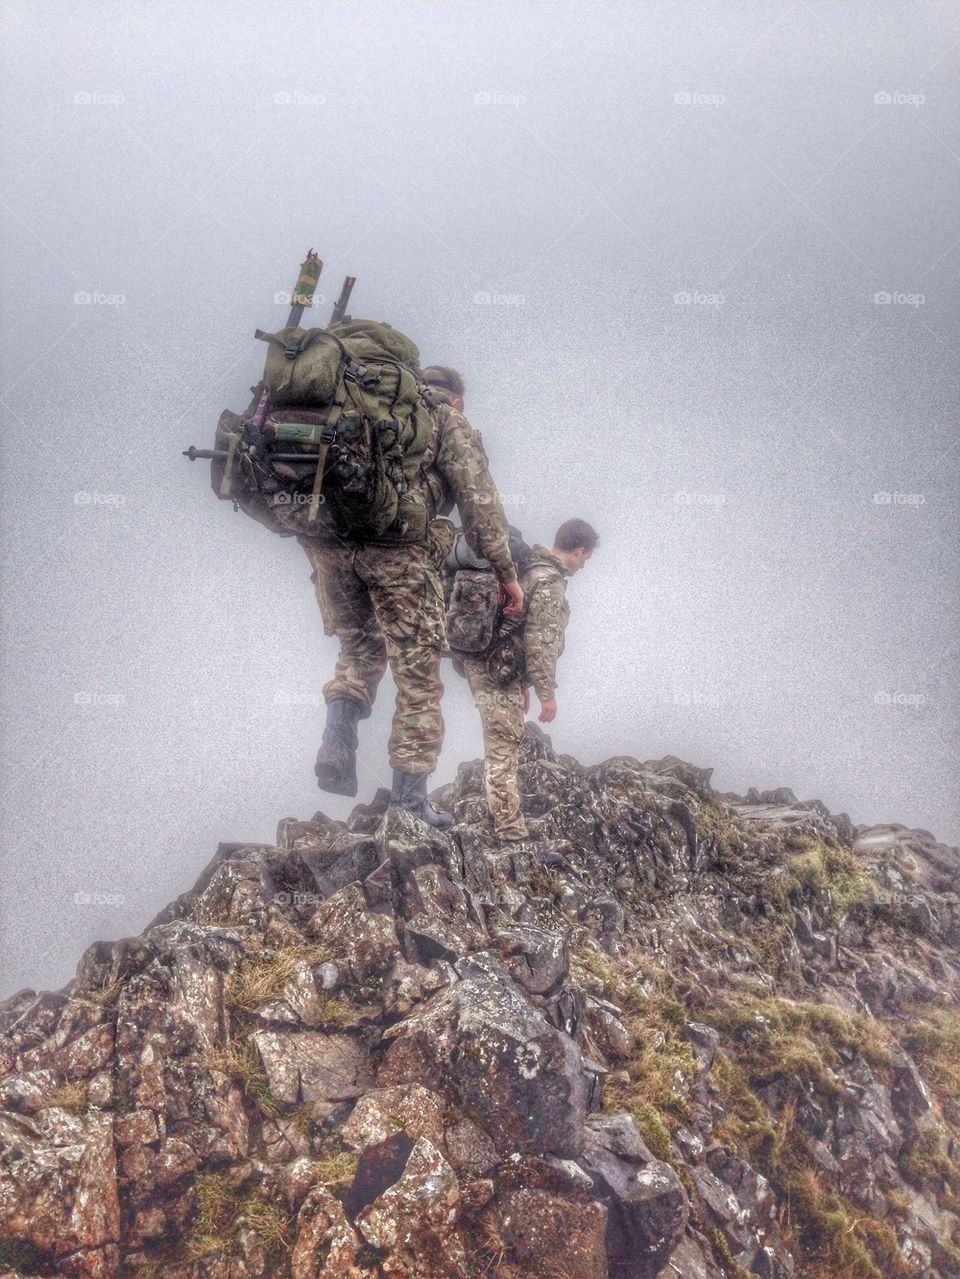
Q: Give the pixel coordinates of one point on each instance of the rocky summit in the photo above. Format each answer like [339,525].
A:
[674,1033]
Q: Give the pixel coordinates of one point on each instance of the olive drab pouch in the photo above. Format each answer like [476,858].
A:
[473,612]
[345,427]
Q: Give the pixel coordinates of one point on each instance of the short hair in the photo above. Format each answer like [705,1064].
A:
[446,378]
[572,534]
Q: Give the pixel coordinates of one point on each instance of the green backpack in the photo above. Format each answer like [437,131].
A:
[340,421]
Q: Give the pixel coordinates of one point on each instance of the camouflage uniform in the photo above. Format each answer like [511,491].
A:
[501,708]
[384,600]
[545,584]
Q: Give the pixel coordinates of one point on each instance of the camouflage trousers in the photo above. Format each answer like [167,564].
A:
[385,604]
[501,714]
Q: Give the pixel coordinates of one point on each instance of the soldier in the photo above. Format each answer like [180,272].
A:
[384,602]
[502,707]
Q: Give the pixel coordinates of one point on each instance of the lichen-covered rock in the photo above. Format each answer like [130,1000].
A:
[647,1204]
[58,1188]
[523,1078]
[553,1235]
[308,1066]
[326,1245]
[414,1222]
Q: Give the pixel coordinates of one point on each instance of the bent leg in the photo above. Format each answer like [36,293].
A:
[501,714]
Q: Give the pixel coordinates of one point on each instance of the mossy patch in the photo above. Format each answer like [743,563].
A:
[820,869]
[221,1213]
[261,977]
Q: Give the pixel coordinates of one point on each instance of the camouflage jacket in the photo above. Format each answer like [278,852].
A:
[455,472]
[545,586]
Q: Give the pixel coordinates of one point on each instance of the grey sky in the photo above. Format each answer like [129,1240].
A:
[698,262]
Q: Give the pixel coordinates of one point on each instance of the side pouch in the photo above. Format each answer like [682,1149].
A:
[474,609]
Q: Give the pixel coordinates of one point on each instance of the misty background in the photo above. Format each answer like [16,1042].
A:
[698,263]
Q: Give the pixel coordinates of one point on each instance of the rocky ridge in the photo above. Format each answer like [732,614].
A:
[674,1033]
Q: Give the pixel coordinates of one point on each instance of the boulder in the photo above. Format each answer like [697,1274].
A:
[647,1204]
[524,1080]
[309,1066]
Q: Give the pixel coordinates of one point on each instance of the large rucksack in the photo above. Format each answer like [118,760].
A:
[337,430]
[476,624]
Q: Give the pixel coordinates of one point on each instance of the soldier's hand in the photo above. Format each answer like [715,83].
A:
[548,711]
[514,593]
[526,700]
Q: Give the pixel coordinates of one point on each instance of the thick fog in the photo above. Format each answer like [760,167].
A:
[698,263]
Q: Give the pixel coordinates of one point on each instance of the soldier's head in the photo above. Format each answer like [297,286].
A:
[574,544]
[448,381]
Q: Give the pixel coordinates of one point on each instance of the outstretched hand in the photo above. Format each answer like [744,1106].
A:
[514,593]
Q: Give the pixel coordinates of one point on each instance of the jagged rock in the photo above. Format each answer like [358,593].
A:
[58,1188]
[647,1204]
[367,940]
[326,1246]
[312,1067]
[908,1092]
[554,1235]
[504,1061]
[414,1221]
[380,1114]
[537,959]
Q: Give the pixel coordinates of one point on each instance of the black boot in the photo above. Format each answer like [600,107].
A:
[336,766]
[410,792]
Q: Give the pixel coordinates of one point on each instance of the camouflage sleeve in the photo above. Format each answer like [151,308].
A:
[463,466]
[543,634]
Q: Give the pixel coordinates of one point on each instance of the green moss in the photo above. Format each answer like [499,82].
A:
[795,1045]
[598,966]
[926,1165]
[794,1041]
[817,867]
[242,1064]
[933,1040]
[653,1130]
[716,825]
[221,1212]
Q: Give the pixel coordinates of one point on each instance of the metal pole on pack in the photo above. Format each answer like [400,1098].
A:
[340,307]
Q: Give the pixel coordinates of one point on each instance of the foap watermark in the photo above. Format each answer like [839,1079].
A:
[694,98]
[97,98]
[89,497]
[490,297]
[284,698]
[888,98]
[910,700]
[285,498]
[695,297]
[94,297]
[297,899]
[692,497]
[96,897]
[886,498]
[494,698]
[112,700]
[498,98]
[286,298]
[298,98]
[886,297]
